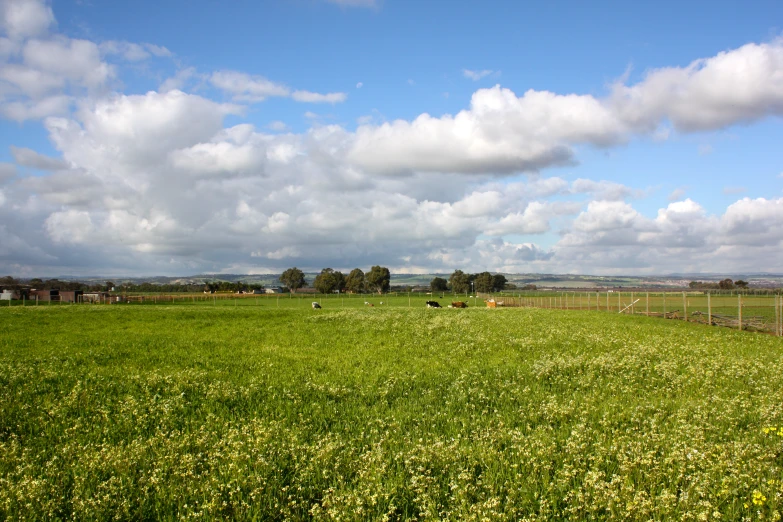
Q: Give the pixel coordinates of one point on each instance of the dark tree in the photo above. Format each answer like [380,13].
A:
[459,282]
[740,283]
[355,281]
[378,278]
[438,284]
[499,282]
[293,278]
[483,282]
[328,281]
[726,284]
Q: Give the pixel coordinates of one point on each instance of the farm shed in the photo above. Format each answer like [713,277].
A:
[45,295]
[6,295]
[71,296]
[94,297]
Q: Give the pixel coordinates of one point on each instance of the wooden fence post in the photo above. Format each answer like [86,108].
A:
[684,307]
[739,309]
[709,309]
[632,303]
[664,304]
[618,301]
[648,304]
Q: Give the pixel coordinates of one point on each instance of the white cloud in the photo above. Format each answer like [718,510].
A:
[500,133]
[247,88]
[314,97]
[476,75]
[732,87]
[535,219]
[29,158]
[77,60]
[36,109]
[25,18]
[161,185]
[359,85]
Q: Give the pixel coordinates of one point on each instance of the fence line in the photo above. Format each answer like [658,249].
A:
[762,313]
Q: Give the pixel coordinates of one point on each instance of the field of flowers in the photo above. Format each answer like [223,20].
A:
[253,413]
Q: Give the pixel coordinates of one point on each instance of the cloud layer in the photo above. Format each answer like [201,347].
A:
[157,182]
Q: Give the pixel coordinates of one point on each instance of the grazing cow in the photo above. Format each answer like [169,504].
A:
[433,304]
[459,304]
[316,306]
[381,303]
[366,303]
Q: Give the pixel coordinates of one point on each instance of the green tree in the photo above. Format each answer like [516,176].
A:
[438,284]
[378,278]
[459,282]
[483,282]
[499,282]
[328,281]
[355,281]
[726,284]
[293,278]
[740,283]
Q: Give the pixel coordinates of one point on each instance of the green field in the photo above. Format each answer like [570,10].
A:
[241,410]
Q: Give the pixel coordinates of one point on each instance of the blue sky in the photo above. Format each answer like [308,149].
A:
[177,137]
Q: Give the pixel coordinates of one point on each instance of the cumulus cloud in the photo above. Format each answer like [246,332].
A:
[732,87]
[500,133]
[535,219]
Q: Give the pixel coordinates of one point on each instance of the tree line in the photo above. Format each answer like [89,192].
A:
[725,284]
[460,282]
[378,279]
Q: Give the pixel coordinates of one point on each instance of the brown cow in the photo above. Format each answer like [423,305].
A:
[459,304]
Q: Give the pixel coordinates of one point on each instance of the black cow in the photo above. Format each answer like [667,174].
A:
[316,306]
[432,304]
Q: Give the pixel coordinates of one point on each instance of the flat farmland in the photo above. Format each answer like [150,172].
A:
[247,411]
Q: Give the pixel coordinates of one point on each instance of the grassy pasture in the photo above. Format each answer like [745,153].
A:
[245,411]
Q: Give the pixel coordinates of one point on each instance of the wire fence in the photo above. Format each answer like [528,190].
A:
[762,313]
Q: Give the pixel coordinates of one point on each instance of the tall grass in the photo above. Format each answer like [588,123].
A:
[180,412]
